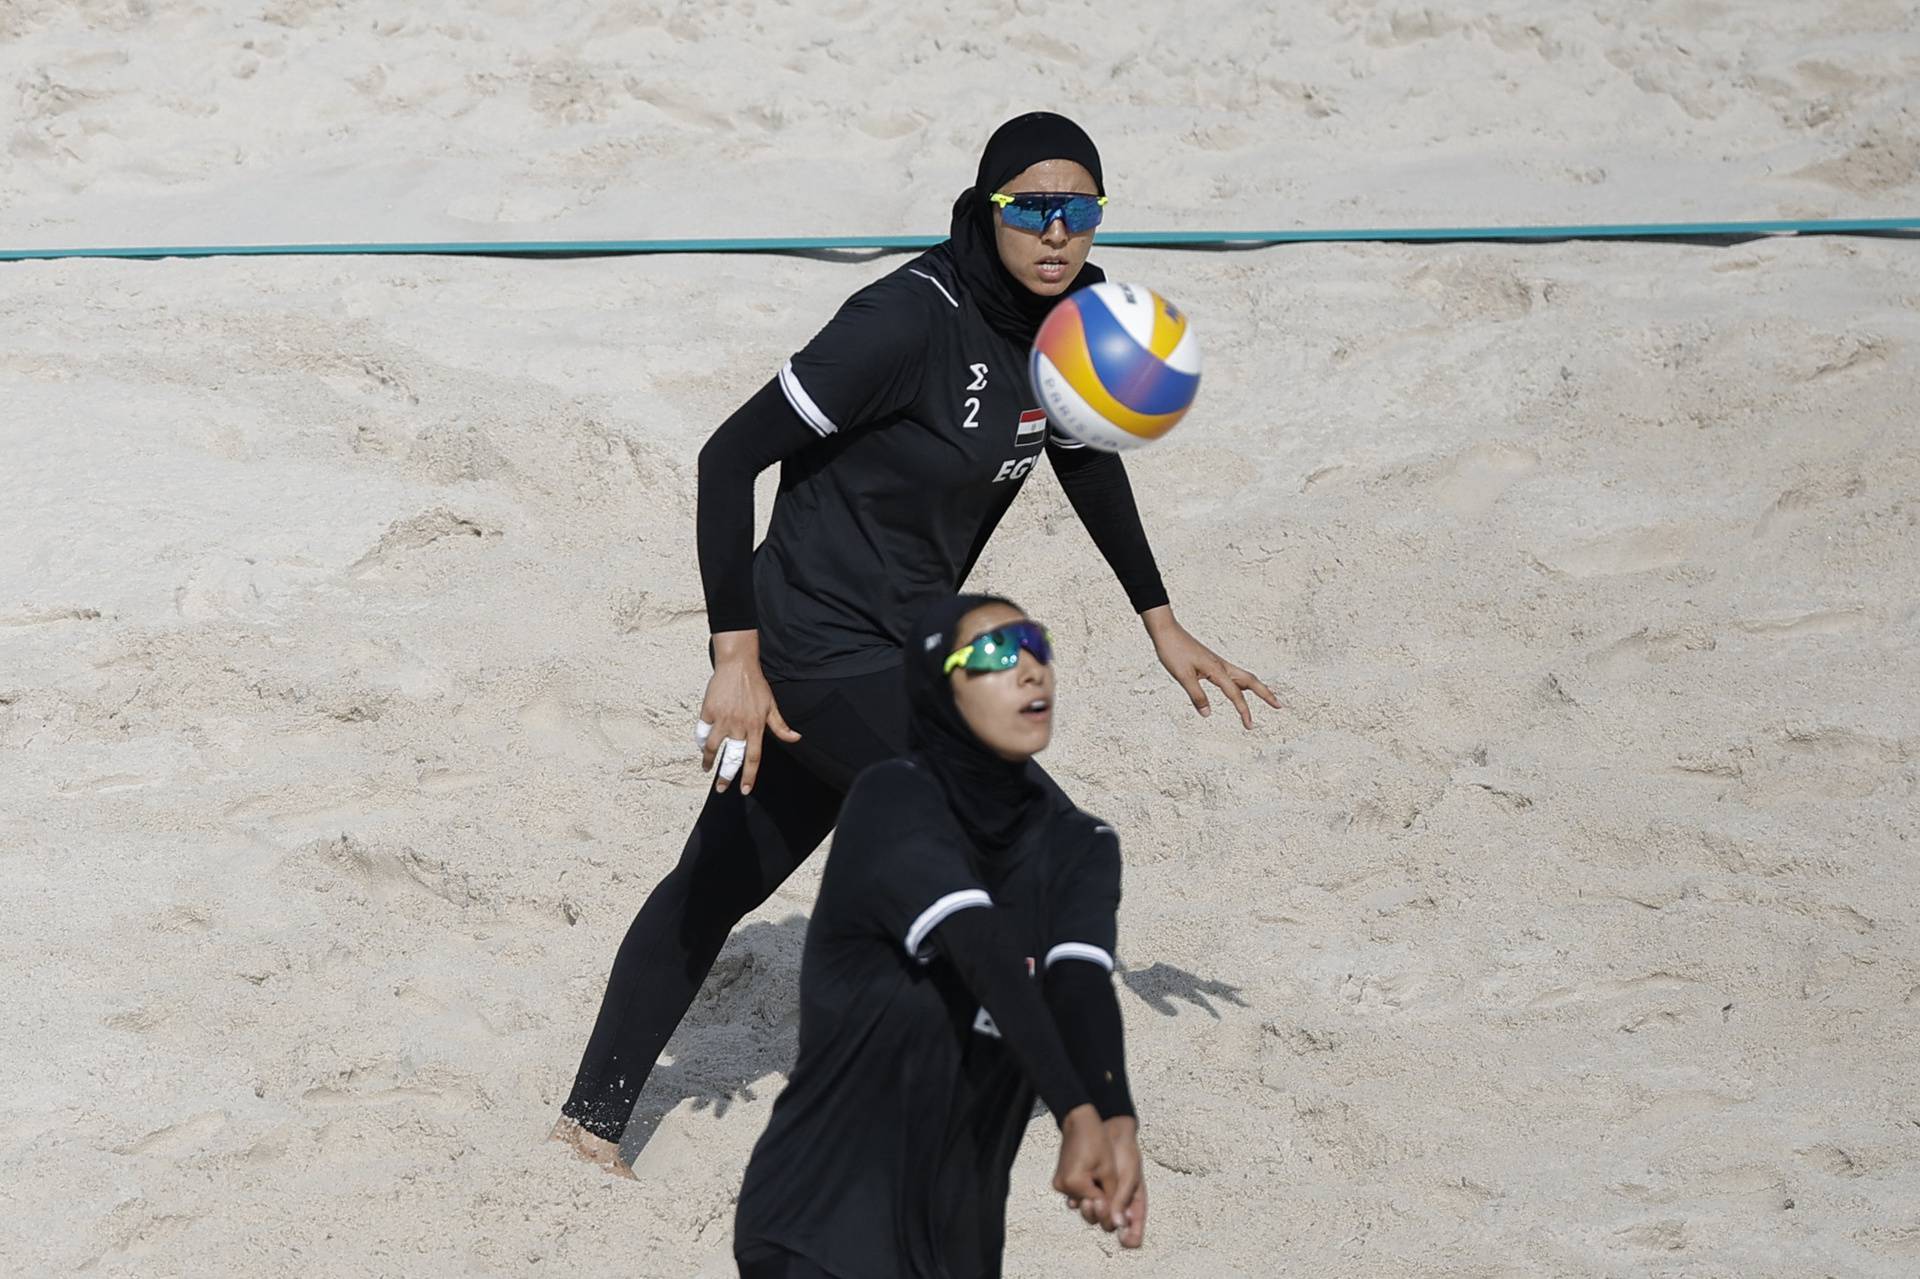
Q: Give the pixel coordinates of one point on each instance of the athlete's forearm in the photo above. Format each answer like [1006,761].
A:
[761,432]
[976,943]
[1096,485]
[1085,1008]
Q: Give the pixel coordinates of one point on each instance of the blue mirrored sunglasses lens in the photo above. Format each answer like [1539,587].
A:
[1032,213]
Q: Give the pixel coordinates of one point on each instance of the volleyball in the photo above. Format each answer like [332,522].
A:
[1116,366]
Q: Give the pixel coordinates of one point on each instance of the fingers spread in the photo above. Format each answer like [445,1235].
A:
[1248,680]
[1197,693]
[1220,676]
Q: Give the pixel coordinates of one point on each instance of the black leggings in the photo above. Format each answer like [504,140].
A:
[741,849]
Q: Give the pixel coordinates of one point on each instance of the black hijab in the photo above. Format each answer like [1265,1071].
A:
[993,799]
[1019,144]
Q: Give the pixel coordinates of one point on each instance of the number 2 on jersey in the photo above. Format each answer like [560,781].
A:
[973,413]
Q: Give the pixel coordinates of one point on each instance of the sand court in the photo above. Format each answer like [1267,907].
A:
[1562,922]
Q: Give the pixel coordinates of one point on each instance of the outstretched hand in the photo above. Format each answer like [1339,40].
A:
[1189,662]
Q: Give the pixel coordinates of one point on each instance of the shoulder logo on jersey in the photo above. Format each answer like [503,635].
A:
[979,382]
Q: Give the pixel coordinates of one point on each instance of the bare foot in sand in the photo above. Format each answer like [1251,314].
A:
[593,1149]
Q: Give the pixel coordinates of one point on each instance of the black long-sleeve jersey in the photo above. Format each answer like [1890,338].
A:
[888,1153]
[910,424]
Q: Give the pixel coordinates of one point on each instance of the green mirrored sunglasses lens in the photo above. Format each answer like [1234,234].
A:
[999,649]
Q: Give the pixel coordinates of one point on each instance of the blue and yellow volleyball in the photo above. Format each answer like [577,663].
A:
[1116,366]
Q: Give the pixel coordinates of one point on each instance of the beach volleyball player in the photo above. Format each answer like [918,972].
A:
[957,964]
[904,430]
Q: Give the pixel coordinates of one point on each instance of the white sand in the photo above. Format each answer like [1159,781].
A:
[1562,924]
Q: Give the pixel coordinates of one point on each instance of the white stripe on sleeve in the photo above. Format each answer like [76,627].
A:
[930,917]
[802,402]
[951,300]
[1065,441]
[1079,950]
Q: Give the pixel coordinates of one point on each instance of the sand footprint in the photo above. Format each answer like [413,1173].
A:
[555,727]
[387,1082]
[1637,550]
[1599,991]
[1666,1235]
[1833,621]
[48,616]
[417,532]
[1794,505]
[189,1134]
[1648,647]
[382,873]
[1477,478]
[446,781]
[136,1229]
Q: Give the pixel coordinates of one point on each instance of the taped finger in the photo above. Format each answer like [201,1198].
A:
[733,753]
[701,732]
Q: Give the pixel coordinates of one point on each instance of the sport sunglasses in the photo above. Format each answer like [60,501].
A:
[1033,210]
[999,649]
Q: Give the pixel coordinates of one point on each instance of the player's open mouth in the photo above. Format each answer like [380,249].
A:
[1038,708]
[1052,270]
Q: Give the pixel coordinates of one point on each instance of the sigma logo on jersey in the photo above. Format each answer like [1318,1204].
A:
[1032,428]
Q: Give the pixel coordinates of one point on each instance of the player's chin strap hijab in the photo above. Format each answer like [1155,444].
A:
[1015,147]
[994,799]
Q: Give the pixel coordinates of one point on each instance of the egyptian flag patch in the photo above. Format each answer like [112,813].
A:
[1032,428]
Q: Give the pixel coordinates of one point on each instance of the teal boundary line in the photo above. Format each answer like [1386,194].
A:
[1117,239]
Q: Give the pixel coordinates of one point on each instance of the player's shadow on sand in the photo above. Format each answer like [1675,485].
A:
[743,1026]
[1159,985]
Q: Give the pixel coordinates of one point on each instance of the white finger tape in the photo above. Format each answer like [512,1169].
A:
[733,753]
[701,732]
